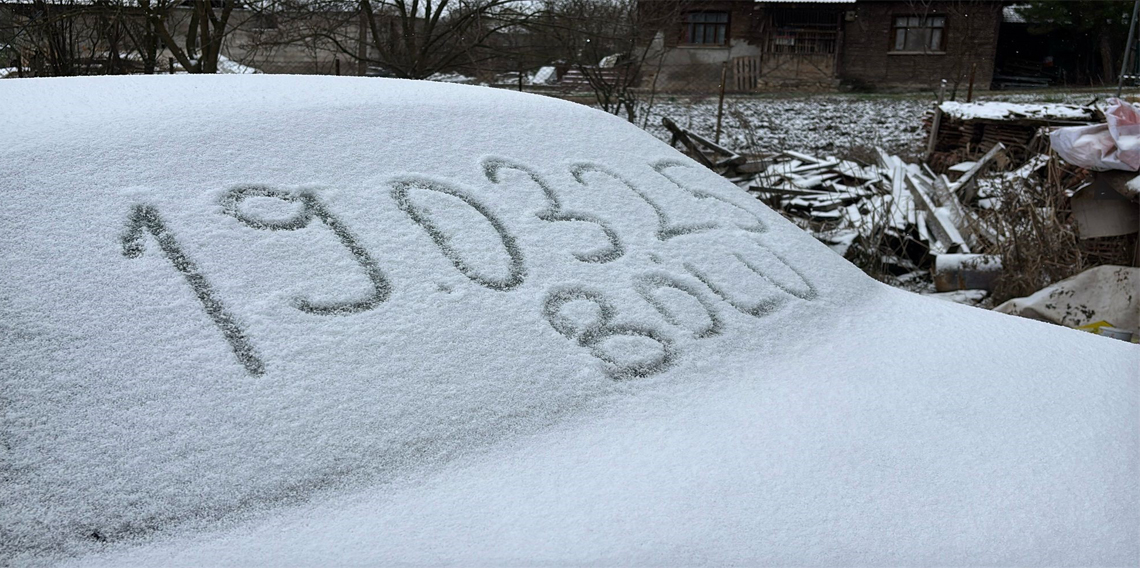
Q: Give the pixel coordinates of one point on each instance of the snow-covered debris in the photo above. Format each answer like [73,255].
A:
[1012,14]
[457,78]
[963,131]
[361,321]
[895,209]
[231,67]
[967,297]
[998,110]
[545,76]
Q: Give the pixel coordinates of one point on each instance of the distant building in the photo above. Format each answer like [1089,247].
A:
[825,44]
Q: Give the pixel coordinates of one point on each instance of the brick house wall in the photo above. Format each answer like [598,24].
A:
[867,58]
[666,16]
[864,58]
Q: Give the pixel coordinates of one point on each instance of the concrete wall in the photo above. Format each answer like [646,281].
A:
[698,69]
[680,67]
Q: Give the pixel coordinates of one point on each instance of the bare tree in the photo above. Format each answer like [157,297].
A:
[208,23]
[77,37]
[612,45]
[405,38]
[49,36]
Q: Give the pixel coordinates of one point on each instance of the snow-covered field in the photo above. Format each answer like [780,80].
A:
[272,320]
[845,125]
[823,125]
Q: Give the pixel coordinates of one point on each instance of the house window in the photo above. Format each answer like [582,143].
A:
[800,30]
[918,33]
[706,28]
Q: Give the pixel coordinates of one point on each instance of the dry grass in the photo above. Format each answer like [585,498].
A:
[1038,241]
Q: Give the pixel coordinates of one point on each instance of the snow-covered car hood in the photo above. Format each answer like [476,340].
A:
[309,321]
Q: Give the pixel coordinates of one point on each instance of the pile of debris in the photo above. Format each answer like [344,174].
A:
[902,215]
[891,217]
[964,131]
[1001,190]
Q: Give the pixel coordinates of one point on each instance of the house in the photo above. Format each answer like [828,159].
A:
[824,44]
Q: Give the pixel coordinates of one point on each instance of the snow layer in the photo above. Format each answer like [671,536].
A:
[998,110]
[855,452]
[309,321]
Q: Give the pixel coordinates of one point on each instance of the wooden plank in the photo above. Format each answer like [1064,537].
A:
[683,136]
[717,148]
[948,236]
[784,190]
[745,73]
[963,187]
[973,228]
[804,157]
[937,122]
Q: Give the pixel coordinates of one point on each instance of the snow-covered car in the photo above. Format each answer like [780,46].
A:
[271,320]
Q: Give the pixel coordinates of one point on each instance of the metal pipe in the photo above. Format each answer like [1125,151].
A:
[1128,48]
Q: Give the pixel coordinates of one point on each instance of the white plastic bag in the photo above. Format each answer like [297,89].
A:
[1100,147]
[1124,125]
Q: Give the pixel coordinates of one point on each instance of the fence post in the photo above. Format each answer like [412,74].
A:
[170,61]
[362,43]
[720,105]
[336,61]
[936,122]
[970,91]
[19,68]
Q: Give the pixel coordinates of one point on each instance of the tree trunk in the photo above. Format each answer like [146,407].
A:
[204,56]
[362,44]
[149,48]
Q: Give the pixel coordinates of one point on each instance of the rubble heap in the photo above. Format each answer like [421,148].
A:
[903,213]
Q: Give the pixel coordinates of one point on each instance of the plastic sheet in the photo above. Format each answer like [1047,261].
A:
[1114,145]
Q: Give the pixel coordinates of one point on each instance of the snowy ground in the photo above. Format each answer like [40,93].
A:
[816,125]
[844,125]
[376,322]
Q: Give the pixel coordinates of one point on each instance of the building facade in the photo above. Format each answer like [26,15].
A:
[822,45]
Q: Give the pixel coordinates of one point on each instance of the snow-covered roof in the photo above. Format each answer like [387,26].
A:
[1012,14]
[996,110]
[286,320]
